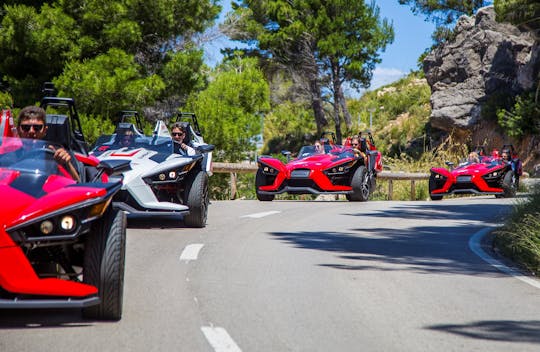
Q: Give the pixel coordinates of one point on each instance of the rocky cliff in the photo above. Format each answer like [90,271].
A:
[486,59]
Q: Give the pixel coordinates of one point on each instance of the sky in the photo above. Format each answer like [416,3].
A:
[412,35]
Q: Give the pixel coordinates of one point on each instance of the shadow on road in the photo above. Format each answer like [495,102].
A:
[156,222]
[497,330]
[424,249]
[42,318]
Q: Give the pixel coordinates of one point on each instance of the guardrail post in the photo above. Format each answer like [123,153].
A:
[390,190]
[413,190]
[233,185]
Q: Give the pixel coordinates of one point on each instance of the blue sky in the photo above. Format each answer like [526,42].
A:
[412,37]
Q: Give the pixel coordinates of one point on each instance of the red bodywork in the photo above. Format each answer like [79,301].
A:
[316,173]
[32,193]
[484,177]
[16,272]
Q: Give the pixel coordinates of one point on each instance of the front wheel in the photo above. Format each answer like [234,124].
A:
[433,187]
[361,185]
[197,200]
[510,184]
[259,181]
[104,260]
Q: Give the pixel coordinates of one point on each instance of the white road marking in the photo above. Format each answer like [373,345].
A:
[476,247]
[219,339]
[191,252]
[261,215]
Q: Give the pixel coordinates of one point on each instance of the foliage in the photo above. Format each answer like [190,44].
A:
[444,13]
[327,43]
[150,41]
[400,114]
[6,101]
[285,127]
[231,107]
[524,13]
[95,126]
[108,83]
[519,238]
[523,119]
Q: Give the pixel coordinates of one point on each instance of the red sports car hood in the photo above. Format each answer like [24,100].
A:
[23,202]
[312,161]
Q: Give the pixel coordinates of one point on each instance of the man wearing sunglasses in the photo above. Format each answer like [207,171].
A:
[178,134]
[31,125]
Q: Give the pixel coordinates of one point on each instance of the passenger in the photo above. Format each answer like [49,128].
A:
[178,135]
[31,125]
[505,155]
[127,139]
[473,158]
[319,148]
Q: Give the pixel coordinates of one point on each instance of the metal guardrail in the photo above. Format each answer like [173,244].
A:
[235,168]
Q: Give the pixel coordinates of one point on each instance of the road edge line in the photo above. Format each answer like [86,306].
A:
[475,244]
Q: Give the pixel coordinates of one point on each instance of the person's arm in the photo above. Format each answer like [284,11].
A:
[63,157]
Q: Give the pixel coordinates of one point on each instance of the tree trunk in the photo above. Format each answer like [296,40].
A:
[343,104]
[336,85]
[316,105]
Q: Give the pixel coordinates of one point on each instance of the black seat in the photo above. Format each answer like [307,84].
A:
[58,130]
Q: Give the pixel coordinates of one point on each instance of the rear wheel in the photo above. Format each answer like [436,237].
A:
[197,200]
[433,187]
[361,185]
[510,184]
[104,261]
[259,181]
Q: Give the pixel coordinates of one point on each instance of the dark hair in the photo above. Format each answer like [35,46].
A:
[31,112]
[179,125]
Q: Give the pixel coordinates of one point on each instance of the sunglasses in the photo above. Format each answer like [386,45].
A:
[355,144]
[37,128]
[178,134]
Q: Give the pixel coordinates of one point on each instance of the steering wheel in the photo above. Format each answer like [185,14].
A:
[48,154]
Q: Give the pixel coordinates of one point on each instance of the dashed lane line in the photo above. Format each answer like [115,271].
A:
[191,252]
[261,215]
[219,339]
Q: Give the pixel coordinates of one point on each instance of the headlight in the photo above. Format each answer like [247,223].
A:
[172,175]
[67,223]
[46,227]
[268,170]
[494,174]
[340,169]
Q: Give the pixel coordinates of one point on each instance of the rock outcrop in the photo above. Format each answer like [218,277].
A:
[485,59]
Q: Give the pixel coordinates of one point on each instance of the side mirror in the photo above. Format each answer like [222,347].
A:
[449,164]
[205,148]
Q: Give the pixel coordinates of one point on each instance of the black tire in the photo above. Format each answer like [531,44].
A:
[104,261]
[432,187]
[197,199]
[361,185]
[509,184]
[259,181]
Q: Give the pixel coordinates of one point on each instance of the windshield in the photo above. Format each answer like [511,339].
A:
[311,150]
[29,155]
[158,144]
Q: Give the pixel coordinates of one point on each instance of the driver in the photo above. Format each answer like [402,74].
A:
[31,125]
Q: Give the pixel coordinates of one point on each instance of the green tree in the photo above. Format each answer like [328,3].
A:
[230,109]
[108,83]
[39,40]
[328,43]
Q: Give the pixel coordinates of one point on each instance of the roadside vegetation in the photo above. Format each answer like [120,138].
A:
[519,238]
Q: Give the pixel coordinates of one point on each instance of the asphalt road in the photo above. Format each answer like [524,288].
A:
[306,276]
